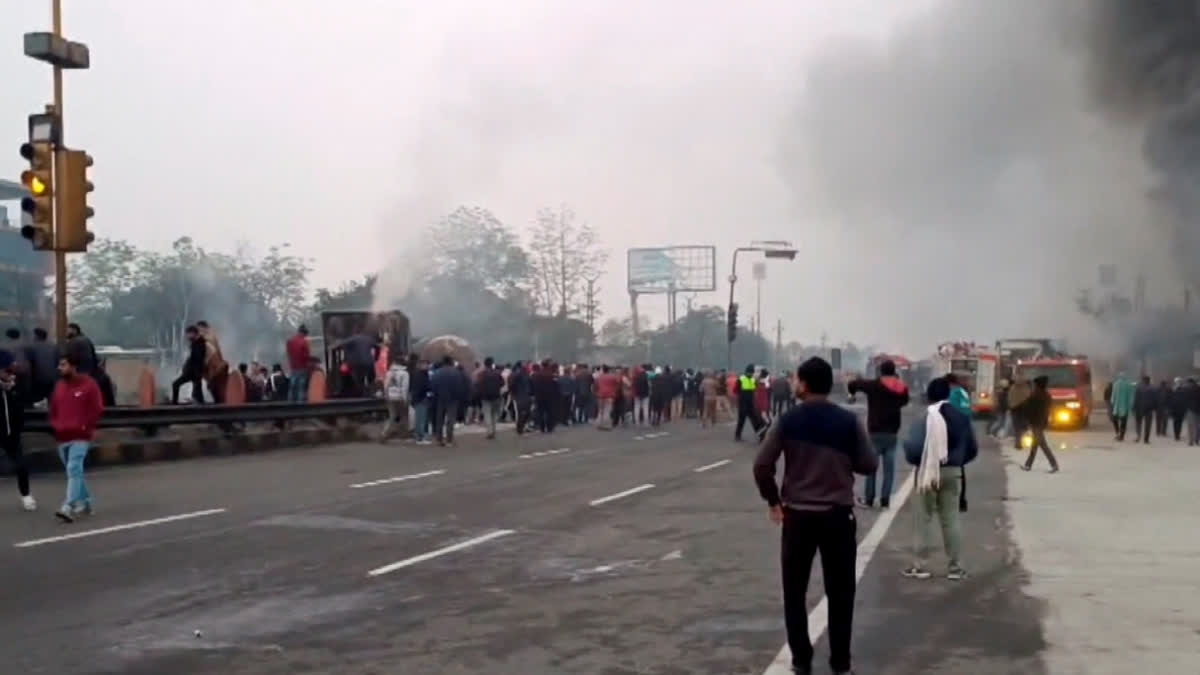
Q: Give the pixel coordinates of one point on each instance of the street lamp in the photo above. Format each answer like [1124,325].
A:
[772,250]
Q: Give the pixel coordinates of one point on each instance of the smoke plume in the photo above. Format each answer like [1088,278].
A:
[968,162]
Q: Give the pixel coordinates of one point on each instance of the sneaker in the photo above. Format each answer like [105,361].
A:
[956,572]
[85,510]
[884,504]
[29,503]
[64,515]
[917,572]
[864,504]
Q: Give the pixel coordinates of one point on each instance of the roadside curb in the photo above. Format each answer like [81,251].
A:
[141,451]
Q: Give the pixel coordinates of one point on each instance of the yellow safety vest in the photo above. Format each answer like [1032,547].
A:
[747,383]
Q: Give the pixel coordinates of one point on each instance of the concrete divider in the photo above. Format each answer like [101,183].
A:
[113,452]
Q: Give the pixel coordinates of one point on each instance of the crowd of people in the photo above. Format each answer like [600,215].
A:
[1163,410]
[71,382]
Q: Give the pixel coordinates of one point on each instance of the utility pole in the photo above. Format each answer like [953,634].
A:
[778,345]
[55,216]
[590,307]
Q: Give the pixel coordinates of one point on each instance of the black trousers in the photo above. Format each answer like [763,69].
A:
[1145,425]
[545,414]
[522,405]
[197,387]
[1177,425]
[833,533]
[747,412]
[1121,423]
[16,458]
[1040,442]
[1160,422]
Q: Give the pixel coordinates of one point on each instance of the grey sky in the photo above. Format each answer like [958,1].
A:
[342,127]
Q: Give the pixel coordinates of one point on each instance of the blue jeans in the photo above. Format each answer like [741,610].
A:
[420,420]
[72,455]
[885,445]
[298,388]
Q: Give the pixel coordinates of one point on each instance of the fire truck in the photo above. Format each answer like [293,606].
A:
[975,368]
[1069,381]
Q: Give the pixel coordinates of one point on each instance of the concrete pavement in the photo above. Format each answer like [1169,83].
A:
[579,552]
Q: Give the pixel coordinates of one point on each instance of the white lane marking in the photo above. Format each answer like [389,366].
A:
[709,467]
[118,528]
[626,493]
[544,453]
[439,552]
[658,434]
[818,618]
[399,479]
[639,438]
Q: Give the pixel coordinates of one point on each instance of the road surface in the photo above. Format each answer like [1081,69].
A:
[599,553]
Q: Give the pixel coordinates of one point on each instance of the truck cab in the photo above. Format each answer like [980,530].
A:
[1070,387]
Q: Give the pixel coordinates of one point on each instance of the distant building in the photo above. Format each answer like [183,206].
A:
[24,273]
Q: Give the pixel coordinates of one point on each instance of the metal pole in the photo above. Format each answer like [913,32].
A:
[60,258]
[758,305]
[728,342]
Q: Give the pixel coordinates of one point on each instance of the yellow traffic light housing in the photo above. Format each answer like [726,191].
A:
[73,209]
[38,208]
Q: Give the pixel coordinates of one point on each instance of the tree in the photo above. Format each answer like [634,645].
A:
[250,302]
[617,333]
[351,295]
[109,268]
[471,245]
[564,254]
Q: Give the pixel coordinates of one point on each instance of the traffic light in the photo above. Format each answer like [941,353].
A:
[73,209]
[37,222]
[731,324]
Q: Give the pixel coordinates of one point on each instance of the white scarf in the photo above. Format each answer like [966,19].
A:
[936,451]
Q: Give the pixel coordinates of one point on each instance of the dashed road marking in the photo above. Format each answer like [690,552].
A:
[619,495]
[818,618]
[709,467]
[398,479]
[544,453]
[409,562]
[119,528]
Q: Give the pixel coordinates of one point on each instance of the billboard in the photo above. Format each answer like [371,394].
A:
[672,268]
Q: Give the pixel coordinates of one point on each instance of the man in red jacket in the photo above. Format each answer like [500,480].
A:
[299,362]
[75,409]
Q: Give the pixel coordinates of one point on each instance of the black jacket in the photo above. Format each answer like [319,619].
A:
[885,397]
[12,411]
[418,385]
[1037,408]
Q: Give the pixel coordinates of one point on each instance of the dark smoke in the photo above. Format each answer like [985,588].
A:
[981,166]
[1145,72]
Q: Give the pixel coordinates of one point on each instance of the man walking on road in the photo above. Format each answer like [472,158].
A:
[1039,419]
[823,446]
[1145,403]
[747,386]
[12,408]
[489,384]
[75,409]
[886,396]
[939,446]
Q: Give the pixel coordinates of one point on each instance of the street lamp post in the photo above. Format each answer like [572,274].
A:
[770,250]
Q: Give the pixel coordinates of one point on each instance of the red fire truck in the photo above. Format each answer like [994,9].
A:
[975,368]
[1070,385]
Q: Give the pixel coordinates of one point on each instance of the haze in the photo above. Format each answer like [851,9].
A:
[939,163]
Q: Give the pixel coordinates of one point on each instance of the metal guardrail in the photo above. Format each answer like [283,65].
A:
[153,418]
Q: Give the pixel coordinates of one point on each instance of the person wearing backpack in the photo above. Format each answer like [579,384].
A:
[489,386]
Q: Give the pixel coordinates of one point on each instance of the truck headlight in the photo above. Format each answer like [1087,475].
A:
[1073,405]
[1063,416]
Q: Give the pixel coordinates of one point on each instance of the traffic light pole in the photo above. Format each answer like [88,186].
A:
[60,256]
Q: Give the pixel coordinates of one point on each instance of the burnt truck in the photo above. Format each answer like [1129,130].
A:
[390,327]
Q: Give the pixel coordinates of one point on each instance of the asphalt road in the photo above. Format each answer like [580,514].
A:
[513,556]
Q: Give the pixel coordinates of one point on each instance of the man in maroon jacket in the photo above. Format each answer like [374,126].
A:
[299,359]
[75,409]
